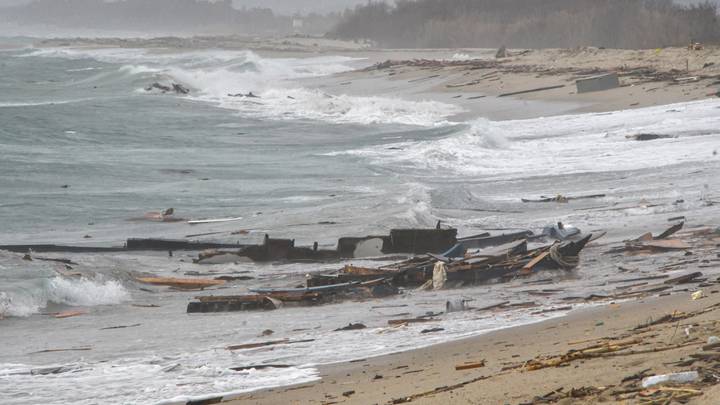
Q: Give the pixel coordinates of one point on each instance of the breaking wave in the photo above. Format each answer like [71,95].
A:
[28,299]
[223,77]
[560,145]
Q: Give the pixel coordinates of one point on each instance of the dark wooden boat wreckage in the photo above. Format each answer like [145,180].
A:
[405,241]
[508,258]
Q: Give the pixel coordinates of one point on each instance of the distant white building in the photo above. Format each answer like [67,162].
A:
[297,25]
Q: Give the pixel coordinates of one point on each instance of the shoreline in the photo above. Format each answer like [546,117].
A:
[475,79]
[538,83]
[416,375]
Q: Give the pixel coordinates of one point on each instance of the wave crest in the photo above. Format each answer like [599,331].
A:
[23,302]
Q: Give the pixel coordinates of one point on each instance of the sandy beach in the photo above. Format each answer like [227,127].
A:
[647,78]
[429,376]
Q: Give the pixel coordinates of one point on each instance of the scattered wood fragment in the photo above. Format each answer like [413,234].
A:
[648,137]
[561,198]
[121,326]
[213,221]
[431,330]
[351,326]
[184,283]
[554,309]
[389,306]
[72,349]
[63,261]
[685,278]
[528,268]
[665,244]
[409,320]
[468,366]
[438,390]
[68,314]
[260,367]
[470,83]
[605,349]
[668,232]
[269,343]
[532,90]
[234,278]
[629,280]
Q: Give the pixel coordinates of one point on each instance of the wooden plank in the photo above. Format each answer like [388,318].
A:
[527,269]
[493,306]
[180,282]
[668,232]
[669,244]
[532,90]
[213,221]
[270,343]
[409,320]
[469,366]
[69,314]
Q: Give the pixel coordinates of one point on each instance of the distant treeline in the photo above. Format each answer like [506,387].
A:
[531,23]
[189,16]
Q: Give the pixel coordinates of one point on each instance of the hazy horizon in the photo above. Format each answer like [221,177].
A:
[278,6]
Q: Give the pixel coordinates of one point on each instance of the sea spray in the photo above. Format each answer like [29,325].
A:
[221,77]
[33,295]
[557,145]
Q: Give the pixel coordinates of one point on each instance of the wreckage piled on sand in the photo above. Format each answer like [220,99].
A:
[468,261]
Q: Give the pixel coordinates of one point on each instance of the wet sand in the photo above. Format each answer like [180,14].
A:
[420,374]
[647,78]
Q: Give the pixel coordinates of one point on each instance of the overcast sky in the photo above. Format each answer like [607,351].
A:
[279,6]
[305,6]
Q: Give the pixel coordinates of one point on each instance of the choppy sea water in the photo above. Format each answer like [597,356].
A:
[85,148]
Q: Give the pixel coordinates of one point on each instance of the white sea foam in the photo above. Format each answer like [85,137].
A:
[157,380]
[561,145]
[38,103]
[215,75]
[419,203]
[87,69]
[205,373]
[300,103]
[31,298]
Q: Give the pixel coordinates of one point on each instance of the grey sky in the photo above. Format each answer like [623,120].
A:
[305,6]
[279,6]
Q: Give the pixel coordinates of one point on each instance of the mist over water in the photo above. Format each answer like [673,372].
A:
[86,148]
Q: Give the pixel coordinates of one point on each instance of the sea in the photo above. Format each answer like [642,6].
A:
[87,148]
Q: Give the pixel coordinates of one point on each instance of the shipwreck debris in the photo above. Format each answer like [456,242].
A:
[351,326]
[597,83]
[470,365]
[515,93]
[185,283]
[648,137]
[561,198]
[172,87]
[268,343]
